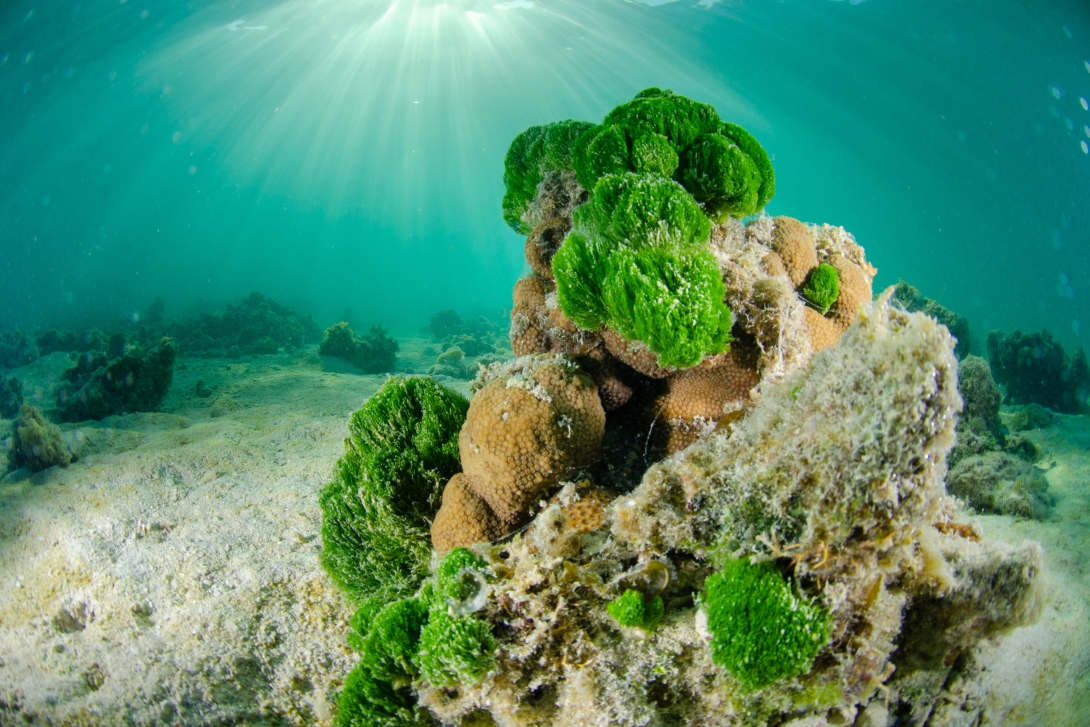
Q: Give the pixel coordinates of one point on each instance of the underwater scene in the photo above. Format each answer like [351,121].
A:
[574,363]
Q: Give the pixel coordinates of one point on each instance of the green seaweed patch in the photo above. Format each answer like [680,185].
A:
[369,702]
[821,287]
[662,133]
[762,632]
[638,262]
[432,635]
[454,649]
[402,448]
[534,154]
[631,610]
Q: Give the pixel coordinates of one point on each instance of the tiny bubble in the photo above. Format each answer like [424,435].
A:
[192,170]
[176,137]
[168,88]
[144,15]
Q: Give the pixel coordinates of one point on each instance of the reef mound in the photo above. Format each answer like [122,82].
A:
[711,489]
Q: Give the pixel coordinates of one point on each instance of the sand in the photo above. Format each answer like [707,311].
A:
[170,575]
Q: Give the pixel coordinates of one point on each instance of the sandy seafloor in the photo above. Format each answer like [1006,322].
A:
[170,576]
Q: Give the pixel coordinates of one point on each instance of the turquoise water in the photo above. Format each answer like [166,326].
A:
[337,154]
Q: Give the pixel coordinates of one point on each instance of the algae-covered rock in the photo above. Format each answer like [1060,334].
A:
[17,349]
[823,508]
[255,325]
[96,387]
[38,443]
[1035,369]
[913,300]
[11,396]
[373,353]
[997,482]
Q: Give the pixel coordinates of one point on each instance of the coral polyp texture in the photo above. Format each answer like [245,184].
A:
[711,488]
[536,422]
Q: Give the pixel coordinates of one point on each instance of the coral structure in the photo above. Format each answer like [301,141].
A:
[11,396]
[452,363]
[445,323]
[1035,369]
[979,429]
[534,421]
[980,395]
[373,353]
[96,388]
[17,349]
[593,296]
[664,531]
[116,346]
[1030,416]
[766,264]
[255,325]
[464,518]
[834,478]
[63,340]
[38,442]
[913,300]
[998,482]
[402,446]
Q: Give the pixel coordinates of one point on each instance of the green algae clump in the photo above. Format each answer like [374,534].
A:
[431,635]
[630,609]
[638,262]
[761,631]
[822,287]
[532,157]
[454,649]
[402,447]
[455,646]
[659,132]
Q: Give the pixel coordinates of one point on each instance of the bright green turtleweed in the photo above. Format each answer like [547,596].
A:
[762,632]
